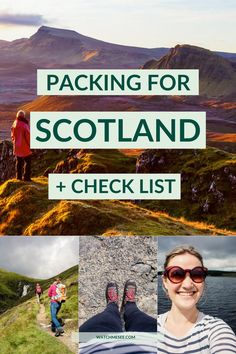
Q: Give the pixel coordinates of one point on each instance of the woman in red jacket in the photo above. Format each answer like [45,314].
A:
[20,134]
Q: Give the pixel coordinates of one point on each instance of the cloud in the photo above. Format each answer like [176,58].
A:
[22,19]
[38,257]
[218,252]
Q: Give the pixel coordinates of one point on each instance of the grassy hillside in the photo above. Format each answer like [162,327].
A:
[11,286]
[19,330]
[208,187]
[97,161]
[26,210]
[20,333]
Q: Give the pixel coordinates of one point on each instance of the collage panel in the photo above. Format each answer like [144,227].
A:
[196,295]
[39,295]
[117,294]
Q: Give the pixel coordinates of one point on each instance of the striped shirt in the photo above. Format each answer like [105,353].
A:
[208,335]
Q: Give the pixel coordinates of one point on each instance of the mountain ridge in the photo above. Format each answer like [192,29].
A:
[62,48]
[65,32]
[217,75]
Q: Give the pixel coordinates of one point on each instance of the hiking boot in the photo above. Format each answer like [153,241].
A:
[112,293]
[130,290]
[58,333]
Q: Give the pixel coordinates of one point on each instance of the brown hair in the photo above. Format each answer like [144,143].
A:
[57,279]
[182,250]
[20,114]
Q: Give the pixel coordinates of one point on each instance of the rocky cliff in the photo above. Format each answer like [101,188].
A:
[208,183]
[7,161]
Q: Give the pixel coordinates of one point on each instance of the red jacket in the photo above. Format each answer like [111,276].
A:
[20,135]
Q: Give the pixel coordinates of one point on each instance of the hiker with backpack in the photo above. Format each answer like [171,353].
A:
[20,135]
[38,292]
[57,294]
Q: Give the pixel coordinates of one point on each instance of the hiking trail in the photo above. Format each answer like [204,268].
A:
[45,325]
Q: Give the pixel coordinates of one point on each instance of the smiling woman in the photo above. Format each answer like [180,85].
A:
[184,329]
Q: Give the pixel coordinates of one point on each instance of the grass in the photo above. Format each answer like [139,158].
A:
[10,290]
[20,333]
[112,218]
[101,161]
[19,330]
[20,202]
[83,217]
[46,160]
[199,169]
[26,210]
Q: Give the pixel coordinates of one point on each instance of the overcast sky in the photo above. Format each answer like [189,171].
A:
[38,257]
[145,23]
[219,253]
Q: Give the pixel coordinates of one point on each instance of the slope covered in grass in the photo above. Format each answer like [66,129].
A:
[82,217]
[96,161]
[26,210]
[208,184]
[21,334]
[11,287]
[19,330]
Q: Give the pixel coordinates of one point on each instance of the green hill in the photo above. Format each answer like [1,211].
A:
[208,186]
[20,331]
[11,288]
[26,210]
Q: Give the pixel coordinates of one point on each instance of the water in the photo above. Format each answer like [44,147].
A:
[25,290]
[219,299]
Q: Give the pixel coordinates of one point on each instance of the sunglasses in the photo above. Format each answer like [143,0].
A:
[177,274]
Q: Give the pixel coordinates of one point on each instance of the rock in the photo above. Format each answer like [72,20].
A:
[104,259]
[7,161]
[207,188]
[141,268]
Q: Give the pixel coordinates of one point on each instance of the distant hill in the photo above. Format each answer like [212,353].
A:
[215,273]
[229,56]
[53,47]
[60,48]
[11,288]
[217,75]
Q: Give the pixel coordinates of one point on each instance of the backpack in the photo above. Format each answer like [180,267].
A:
[61,291]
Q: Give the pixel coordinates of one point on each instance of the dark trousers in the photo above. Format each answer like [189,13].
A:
[23,167]
[110,321]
